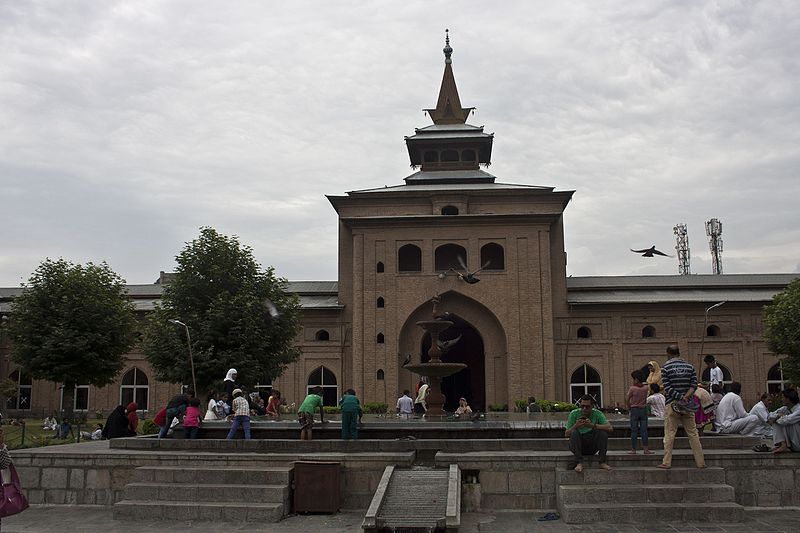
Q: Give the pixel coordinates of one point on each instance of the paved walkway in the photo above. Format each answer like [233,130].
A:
[78,519]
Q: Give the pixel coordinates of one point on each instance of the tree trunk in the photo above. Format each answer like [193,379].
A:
[68,402]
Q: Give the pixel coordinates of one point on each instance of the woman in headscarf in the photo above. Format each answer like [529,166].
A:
[133,418]
[230,385]
[117,424]
[654,374]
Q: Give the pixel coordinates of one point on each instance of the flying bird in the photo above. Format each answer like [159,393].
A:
[650,252]
[444,346]
[468,276]
[272,311]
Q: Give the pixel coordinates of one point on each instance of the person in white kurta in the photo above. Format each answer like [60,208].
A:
[731,416]
[760,410]
[786,423]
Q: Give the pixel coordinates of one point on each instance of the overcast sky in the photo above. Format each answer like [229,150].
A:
[128,125]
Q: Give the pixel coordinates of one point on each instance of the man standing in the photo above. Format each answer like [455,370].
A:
[715,372]
[786,423]
[731,416]
[680,382]
[587,431]
[405,405]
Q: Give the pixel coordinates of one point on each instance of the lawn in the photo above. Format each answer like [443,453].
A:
[31,435]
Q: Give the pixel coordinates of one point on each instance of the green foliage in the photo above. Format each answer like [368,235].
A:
[782,329]
[331,409]
[498,407]
[375,408]
[72,324]
[221,293]
[522,405]
[148,427]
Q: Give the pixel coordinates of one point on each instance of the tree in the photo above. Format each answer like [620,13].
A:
[782,329]
[72,324]
[222,294]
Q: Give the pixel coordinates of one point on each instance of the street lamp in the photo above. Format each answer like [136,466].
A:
[705,325]
[189,342]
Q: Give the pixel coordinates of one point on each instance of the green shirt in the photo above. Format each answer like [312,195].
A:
[596,417]
[350,404]
[310,404]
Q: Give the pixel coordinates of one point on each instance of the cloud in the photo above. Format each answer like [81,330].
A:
[128,125]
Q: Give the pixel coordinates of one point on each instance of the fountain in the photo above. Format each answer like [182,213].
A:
[435,369]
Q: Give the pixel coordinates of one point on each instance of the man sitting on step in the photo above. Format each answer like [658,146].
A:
[786,423]
[587,431]
[731,416]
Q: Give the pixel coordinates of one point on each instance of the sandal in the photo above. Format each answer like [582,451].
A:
[761,448]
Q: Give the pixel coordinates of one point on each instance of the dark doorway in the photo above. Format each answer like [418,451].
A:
[471,381]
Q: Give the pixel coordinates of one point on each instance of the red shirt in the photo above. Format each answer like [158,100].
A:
[161,417]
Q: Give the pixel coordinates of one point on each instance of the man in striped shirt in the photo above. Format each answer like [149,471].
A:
[680,382]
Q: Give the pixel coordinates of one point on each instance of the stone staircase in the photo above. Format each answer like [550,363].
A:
[646,495]
[220,493]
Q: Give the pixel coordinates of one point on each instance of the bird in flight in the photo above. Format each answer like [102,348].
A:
[468,276]
[444,346]
[650,252]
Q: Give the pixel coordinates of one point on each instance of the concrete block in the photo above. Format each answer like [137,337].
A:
[71,497]
[524,482]
[54,478]
[76,478]
[35,495]
[98,479]
[768,499]
[494,482]
[29,476]
[55,496]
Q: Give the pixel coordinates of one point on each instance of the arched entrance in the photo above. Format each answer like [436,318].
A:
[469,382]
[483,348]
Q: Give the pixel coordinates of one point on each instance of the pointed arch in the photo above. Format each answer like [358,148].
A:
[135,387]
[324,377]
[586,380]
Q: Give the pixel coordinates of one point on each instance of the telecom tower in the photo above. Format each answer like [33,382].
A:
[682,248]
[714,231]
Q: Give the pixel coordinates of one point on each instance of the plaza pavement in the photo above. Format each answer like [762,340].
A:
[97,519]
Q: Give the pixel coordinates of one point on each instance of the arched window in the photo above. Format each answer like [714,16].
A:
[379,375]
[322,377]
[134,388]
[380,302]
[775,381]
[648,332]
[22,399]
[449,210]
[586,380]
[449,155]
[447,256]
[713,331]
[379,338]
[493,257]
[379,267]
[584,333]
[727,377]
[322,335]
[409,258]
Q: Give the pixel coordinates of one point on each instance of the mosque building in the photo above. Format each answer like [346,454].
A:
[494,254]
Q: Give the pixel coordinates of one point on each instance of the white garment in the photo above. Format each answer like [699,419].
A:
[404,405]
[732,418]
[716,376]
[231,375]
[422,394]
[763,429]
[215,410]
[787,428]
[656,403]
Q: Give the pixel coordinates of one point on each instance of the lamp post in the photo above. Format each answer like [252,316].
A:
[705,325]
[189,342]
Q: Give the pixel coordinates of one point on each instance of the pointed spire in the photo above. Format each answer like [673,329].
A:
[448,107]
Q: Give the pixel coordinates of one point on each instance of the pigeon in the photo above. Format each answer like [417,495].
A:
[649,252]
[272,311]
[407,359]
[444,346]
[468,276]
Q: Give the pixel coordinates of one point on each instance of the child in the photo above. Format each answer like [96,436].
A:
[463,407]
[715,372]
[241,415]
[305,414]
[274,405]
[351,415]
[191,419]
[656,401]
[405,405]
[636,400]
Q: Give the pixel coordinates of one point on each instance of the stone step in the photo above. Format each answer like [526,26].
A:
[224,475]
[651,513]
[193,492]
[198,510]
[641,475]
[647,493]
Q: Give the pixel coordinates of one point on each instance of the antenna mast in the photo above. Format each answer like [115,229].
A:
[682,248]
[714,231]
